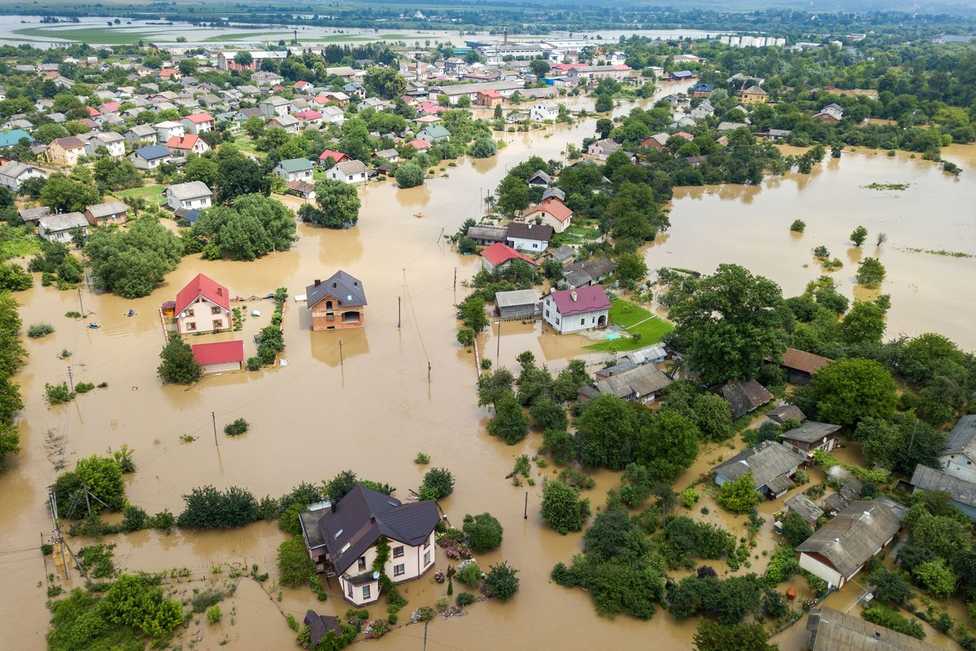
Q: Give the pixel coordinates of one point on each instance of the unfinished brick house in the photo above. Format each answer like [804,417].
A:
[337,303]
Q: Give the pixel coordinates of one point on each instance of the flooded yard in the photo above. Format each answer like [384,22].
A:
[370,404]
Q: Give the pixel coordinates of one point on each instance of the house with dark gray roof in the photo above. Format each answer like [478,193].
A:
[641,383]
[336,303]
[745,396]
[771,464]
[342,539]
[518,304]
[831,629]
[962,493]
[804,507]
[959,456]
[486,235]
[842,547]
[811,436]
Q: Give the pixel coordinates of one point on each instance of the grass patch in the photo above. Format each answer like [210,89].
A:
[17,242]
[152,194]
[636,320]
[576,234]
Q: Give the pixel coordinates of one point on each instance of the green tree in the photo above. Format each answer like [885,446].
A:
[936,577]
[483,532]
[409,175]
[858,235]
[178,365]
[385,82]
[606,433]
[133,262]
[337,205]
[603,104]
[795,528]
[547,414]
[508,423]
[67,194]
[112,174]
[438,483]
[739,495]
[870,272]
[239,175]
[562,508]
[483,147]
[728,323]
[539,67]
[501,582]
[202,168]
[13,278]
[471,312]
[243,58]
[890,587]
[209,508]
[667,443]
[513,195]
[845,391]
[863,324]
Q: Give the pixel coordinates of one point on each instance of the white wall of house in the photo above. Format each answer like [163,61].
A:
[203,315]
[959,465]
[164,133]
[336,175]
[521,244]
[574,322]
[413,562]
[197,127]
[64,237]
[221,368]
[833,578]
[194,203]
[304,175]
[30,173]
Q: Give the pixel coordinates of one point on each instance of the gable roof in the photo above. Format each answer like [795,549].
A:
[581,300]
[962,439]
[219,352]
[800,360]
[337,156]
[499,253]
[542,233]
[351,166]
[363,515]
[199,118]
[745,396]
[855,534]
[804,507]
[202,285]
[107,209]
[554,207]
[930,479]
[186,142]
[189,190]
[345,288]
[295,165]
[639,381]
[68,142]
[152,152]
[766,462]
[62,222]
[810,431]
[831,629]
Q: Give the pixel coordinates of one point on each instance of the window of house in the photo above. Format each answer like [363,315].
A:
[362,563]
[427,557]
[398,552]
[349,590]
[191,325]
[366,592]
[190,312]
[399,570]
[583,321]
[218,324]
[427,543]
[215,310]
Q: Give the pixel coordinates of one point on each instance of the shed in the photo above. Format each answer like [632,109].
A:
[319,626]
[745,396]
[812,436]
[801,365]
[804,507]
[786,413]
[518,304]
[640,384]
[220,356]
[961,493]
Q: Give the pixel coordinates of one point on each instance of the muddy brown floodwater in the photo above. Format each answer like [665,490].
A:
[373,409]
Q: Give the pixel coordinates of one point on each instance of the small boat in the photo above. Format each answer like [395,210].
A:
[93,326]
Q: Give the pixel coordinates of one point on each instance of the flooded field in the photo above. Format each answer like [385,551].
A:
[369,405]
[935,213]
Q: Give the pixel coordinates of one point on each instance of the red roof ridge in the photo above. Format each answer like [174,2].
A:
[202,285]
[218,352]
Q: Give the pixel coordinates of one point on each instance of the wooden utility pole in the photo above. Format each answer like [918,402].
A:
[213,418]
[81,303]
[425,635]
[498,341]
[71,379]
[428,372]
[455,285]
[341,363]
[399,309]
[525,512]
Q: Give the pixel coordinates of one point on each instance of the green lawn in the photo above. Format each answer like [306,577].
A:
[152,194]
[636,320]
[244,143]
[17,242]
[577,233]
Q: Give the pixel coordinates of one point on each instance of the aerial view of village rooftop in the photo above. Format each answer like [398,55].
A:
[488,325]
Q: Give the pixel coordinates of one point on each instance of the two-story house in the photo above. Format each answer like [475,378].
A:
[197,123]
[203,305]
[65,151]
[295,169]
[275,106]
[150,157]
[343,538]
[168,129]
[336,303]
[194,195]
[348,171]
[572,310]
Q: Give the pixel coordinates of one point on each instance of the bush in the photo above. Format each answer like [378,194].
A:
[483,532]
[688,497]
[560,445]
[422,459]
[890,587]
[84,387]
[438,483]
[795,528]
[739,495]
[236,428]
[214,615]
[798,226]
[134,518]
[178,365]
[684,538]
[409,175]
[40,330]
[469,574]
[884,616]
[101,476]
[57,394]
[501,582]
[562,508]
[254,363]
[294,565]
[464,599]
[209,508]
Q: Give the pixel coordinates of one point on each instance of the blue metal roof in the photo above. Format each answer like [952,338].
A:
[13,136]
[152,152]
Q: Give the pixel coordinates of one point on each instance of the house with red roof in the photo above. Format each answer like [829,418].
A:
[219,356]
[203,305]
[419,145]
[303,86]
[333,155]
[573,310]
[109,107]
[92,111]
[188,144]
[551,212]
[489,98]
[198,123]
[498,256]
[308,117]
[169,73]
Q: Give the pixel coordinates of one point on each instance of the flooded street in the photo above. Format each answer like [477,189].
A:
[368,405]
[750,226]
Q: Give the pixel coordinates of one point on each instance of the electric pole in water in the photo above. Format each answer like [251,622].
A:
[81,302]
[213,417]
[71,379]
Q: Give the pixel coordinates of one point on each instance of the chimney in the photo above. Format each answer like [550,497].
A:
[317,282]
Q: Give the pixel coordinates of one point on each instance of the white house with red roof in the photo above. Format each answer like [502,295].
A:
[188,144]
[572,310]
[552,212]
[197,123]
[219,356]
[203,305]
[498,256]
[333,155]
